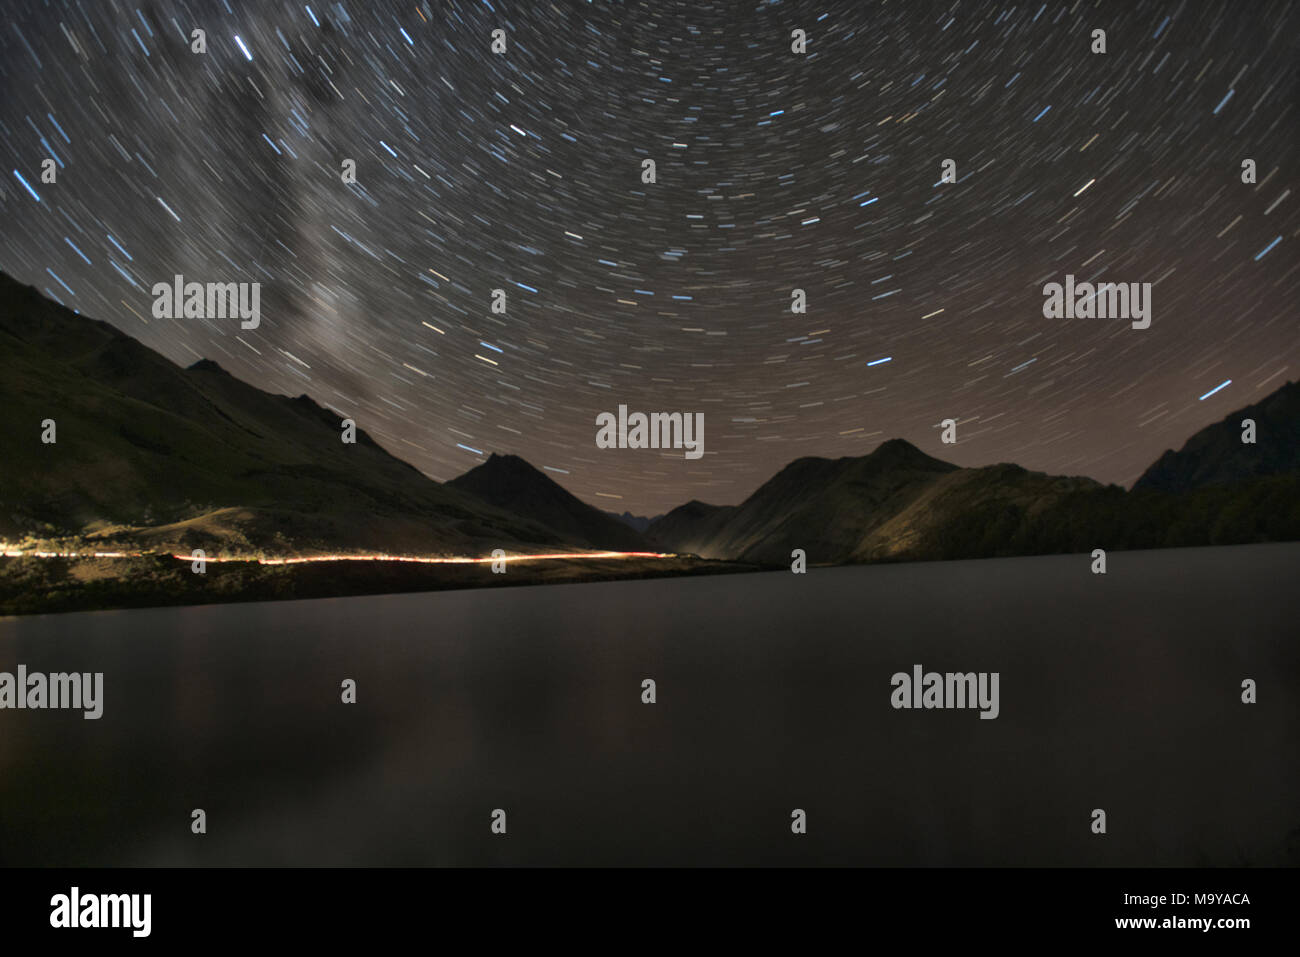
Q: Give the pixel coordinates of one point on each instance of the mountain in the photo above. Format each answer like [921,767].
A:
[510,483]
[825,506]
[161,456]
[989,512]
[899,504]
[636,522]
[688,529]
[151,456]
[1217,456]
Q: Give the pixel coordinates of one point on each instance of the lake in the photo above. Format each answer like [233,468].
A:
[1120,692]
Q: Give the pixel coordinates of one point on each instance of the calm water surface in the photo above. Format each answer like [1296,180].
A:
[1119,692]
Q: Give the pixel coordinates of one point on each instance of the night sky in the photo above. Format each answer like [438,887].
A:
[775,171]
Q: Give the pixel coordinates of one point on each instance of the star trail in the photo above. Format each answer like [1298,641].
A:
[776,171]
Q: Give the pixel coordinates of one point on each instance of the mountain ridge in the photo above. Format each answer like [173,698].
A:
[142,444]
[899,503]
[511,483]
[149,452]
[1216,455]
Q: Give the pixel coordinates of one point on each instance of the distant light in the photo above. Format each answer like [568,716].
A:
[877,362]
[245,49]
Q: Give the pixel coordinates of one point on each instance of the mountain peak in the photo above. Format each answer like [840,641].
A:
[902,444]
[501,464]
[516,485]
[206,365]
[901,452]
[896,447]
[1216,455]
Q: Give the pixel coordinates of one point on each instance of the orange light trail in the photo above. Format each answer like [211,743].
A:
[19,553]
[422,560]
[8,551]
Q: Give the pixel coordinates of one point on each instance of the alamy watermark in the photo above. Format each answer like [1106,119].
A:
[656,430]
[1106,300]
[950,690]
[214,300]
[75,909]
[36,690]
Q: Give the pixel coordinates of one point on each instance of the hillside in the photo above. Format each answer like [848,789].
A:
[149,452]
[827,507]
[898,504]
[688,528]
[1217,456]
[510,483]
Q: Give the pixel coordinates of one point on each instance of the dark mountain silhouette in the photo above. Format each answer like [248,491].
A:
[1217,456]
[824,506]
[688,529]
[894,502]
[510,483]
[156,457]
[897,503]
[166,457]
[638,523]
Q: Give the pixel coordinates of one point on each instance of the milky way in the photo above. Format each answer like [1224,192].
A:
[775,170]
